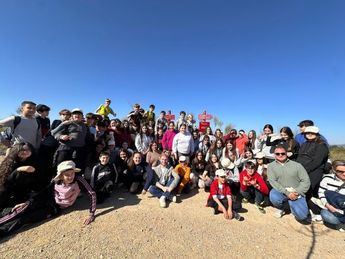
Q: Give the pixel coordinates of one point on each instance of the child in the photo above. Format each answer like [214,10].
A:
[220,198]
[61,193]
[183,170]
[150,114]
[104,109]
[104,176]
[253,186]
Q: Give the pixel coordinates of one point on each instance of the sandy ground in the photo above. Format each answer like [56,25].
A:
[131,226]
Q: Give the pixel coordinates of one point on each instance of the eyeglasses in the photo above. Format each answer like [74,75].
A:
[280,154]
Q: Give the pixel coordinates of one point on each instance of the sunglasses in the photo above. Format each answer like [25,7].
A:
[280,154]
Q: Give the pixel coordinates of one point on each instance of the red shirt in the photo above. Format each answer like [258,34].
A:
[214,189]
[262,186]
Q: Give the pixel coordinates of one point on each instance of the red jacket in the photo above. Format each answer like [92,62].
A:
[214,190]
[167,140]
[262,186]
[241,143]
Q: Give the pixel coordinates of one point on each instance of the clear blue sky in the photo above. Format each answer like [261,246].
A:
[248,62]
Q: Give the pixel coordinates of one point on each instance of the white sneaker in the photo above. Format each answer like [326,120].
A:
[162,202]
[318,202]
[174,199]
[341,228]
[279,213]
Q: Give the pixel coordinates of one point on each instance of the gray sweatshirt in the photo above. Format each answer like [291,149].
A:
[289,174]
[163,174]
[78,133]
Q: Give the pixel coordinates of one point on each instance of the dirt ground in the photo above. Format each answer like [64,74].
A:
[134,226]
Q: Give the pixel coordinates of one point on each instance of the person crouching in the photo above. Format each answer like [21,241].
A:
[220,198]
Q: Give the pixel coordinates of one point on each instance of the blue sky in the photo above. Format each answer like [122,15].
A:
[248,62]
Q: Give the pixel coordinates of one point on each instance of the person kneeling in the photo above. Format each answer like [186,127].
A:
[220,198]
[165,181]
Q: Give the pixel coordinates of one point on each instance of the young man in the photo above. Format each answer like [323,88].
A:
[220,198]
[24,128]
[332,196]
[290,182]
[165,181]
[300,137]
[104,109]
[103,177]
[253,186]
[74,137]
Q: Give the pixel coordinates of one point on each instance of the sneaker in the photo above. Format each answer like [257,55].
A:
[279,213]
[238,216]
[318,202]
[260,208]
[341,228]
[316,217]
[174,199]
[134,187]
[244,200]
[162,202]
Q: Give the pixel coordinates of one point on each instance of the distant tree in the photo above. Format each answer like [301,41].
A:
[228,128]
[217,122]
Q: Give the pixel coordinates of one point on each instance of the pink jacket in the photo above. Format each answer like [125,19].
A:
[167,140]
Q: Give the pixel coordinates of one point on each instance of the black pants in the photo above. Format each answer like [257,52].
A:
[35,212]
[77,154]
[236,205]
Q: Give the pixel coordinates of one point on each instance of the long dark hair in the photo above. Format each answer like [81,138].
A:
[12,158]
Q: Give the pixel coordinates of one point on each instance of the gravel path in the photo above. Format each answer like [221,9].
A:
[130,226]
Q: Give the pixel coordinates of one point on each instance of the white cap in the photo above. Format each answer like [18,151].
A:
[220,172]
[64,166]
[227,164]
[311,129]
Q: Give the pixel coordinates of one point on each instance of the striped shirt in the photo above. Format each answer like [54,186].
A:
[330,182]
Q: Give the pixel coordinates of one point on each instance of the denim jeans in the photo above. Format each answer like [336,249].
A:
[157,192]
[299,207]
[332,218]
[252,192]
[336,199]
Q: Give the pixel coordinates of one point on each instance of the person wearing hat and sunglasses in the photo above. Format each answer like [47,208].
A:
[290,182]
[61,193]
[220,198]
[332,196]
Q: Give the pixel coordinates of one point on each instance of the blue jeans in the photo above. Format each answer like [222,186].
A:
[337,200]
[331,218]
[157,192]
[299,207]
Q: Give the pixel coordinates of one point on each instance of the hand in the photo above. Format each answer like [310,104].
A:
[89,219]
[289,154]
[331,208]
[230,213]
[65,137]
[18,206]
[226,214]
[27,169]
[293,196]
[252,182]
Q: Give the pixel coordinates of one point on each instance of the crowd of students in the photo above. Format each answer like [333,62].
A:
[47,164]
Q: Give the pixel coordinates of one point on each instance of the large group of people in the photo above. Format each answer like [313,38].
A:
[47,165]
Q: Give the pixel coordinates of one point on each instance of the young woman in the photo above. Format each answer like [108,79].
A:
[18,175]
[229,149]
[152,157]
[143,140]
[139,174]
[248,155]
[286,139]
[210,172]
[204,146]
[253,142]
[168,136]
[60,194]
[216,148]
[267,150]
[198,167]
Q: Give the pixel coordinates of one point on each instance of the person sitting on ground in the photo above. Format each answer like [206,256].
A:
[61,193]
[165,181]
[210,172]
[290,182]
[198,168]
[103,177]
[183,170]
[18,175]
[331,184]
[104,109]
[220,198]
[139,174]
[253,186]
